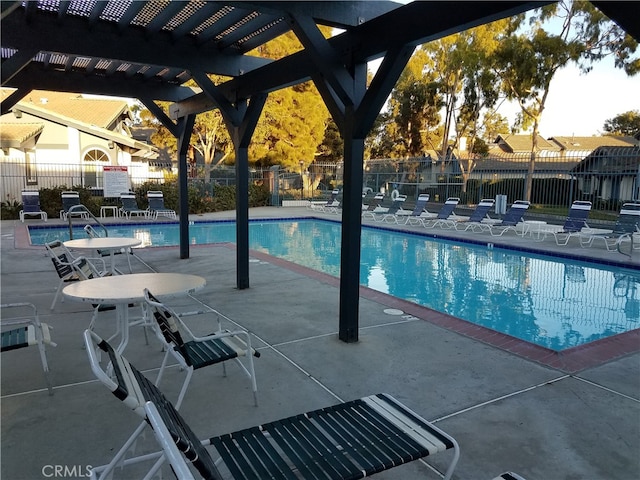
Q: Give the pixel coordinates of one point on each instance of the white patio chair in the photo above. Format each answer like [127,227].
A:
[25,330]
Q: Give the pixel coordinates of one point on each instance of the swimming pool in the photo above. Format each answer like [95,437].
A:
[554,302]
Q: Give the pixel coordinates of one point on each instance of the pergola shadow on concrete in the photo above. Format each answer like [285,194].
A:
[149,50]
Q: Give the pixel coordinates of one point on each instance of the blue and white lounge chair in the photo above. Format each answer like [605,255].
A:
[445,215]
[627,225]
[31,205]
[480,213]
[353,439]
[71,206]
[156,206]
[419,209]
[511,220]
[389,216]
[331,202]
[130,206]
[575,222]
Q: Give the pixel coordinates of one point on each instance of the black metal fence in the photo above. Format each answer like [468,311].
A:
[607,181]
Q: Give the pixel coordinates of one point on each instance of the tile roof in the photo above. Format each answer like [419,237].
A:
[15,134]
[522,143]
[92,111]
[591,143]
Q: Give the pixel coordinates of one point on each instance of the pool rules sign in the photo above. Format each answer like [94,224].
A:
[116,181]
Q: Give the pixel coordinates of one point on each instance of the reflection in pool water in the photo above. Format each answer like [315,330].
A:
[553,302]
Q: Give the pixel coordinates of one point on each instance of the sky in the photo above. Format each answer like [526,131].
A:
[578,105]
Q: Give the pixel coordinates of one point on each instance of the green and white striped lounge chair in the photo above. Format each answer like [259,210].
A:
[25,330]
[194,353]
[70,268]
[509,476]
[350,440]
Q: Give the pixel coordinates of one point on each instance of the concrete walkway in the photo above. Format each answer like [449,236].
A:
[506,411]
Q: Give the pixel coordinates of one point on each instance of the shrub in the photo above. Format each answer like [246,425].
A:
[10,209]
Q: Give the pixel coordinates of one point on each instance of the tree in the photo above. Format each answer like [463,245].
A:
[293,120]
[526,62]
[625,124]
[290,128]
[410,125]
[209,138]
[468,85]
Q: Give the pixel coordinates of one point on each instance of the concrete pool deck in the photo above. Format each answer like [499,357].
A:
[577,419]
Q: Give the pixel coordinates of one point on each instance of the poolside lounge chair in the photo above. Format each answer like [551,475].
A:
[371,203]
[332,201]
[31,205]
[418,208]
[192,352]
[25,330]
[71,206]
[573,225]
[389,215]
[349,440]
[130,206]
[511,220]
[480,213]
[627,224]
[444,215]
[156,205]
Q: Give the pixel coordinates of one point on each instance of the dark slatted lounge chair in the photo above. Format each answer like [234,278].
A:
[130,206]
[418,210]
[31,205]
[194,353]
[390,215]
[71,206]
[445,214]
[511,220]
[70,268]
[331,202]
[370,204]
[575,222]
[509,476]
[156,205]
[349,440]
[627,225]
[25,330]
[480,213]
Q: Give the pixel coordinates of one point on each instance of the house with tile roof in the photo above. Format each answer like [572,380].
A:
[57,138]
[601,168]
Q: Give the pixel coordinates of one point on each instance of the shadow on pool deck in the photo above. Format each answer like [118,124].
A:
[506,411]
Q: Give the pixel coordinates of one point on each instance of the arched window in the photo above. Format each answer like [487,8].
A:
[96,155]
[92,167]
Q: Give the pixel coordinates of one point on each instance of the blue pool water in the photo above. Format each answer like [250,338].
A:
[554,302]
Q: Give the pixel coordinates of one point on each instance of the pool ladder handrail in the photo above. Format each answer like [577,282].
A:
[82,208]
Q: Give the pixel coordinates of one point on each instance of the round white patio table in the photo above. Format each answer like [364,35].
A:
[111,244]
[121,290]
